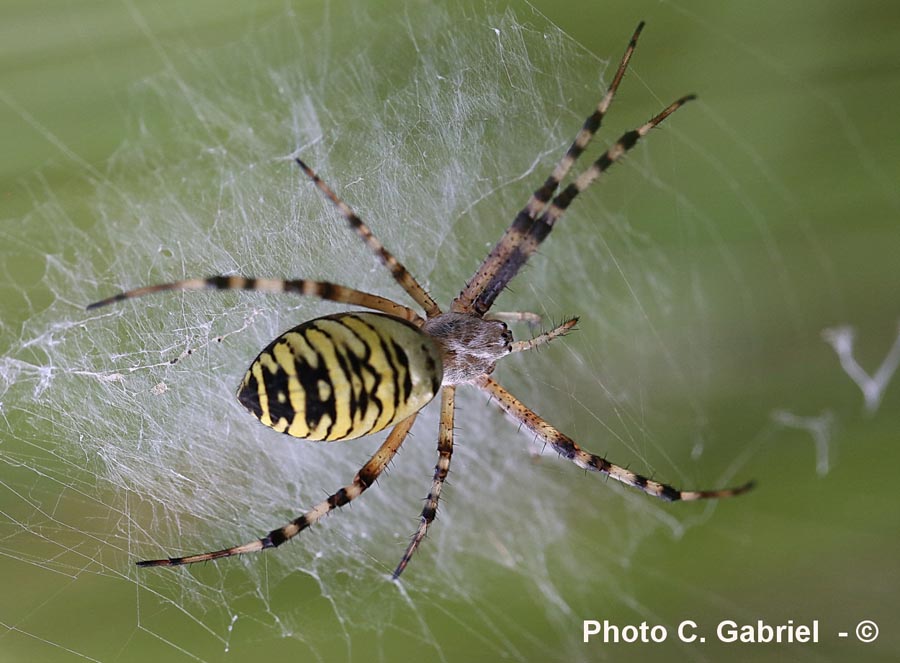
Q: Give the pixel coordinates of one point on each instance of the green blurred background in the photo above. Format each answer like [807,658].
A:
[798,164]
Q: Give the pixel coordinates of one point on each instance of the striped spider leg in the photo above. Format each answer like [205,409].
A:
[502,263]
[350,374]
[363,479]
[569,449]
[347,375]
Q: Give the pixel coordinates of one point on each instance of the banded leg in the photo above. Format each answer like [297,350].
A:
[398,271]
[494,267]
[567,448]
[321,289]
[445,450]
[629,139]
[363,479]
[542,226]
[546,337]
[514,316]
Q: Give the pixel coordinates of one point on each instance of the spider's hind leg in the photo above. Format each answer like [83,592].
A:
[304,287]
[363,479]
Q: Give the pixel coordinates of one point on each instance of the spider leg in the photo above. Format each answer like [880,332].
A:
[363,479]
[398,271]
[305,287]
[546,337]
[542,226]
[514,316]
[567,448]
[491,276]
[445,450]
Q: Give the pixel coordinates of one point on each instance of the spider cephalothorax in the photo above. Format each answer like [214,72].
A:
[350,374]
[470,345]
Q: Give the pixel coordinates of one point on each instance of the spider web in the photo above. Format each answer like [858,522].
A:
[122,437]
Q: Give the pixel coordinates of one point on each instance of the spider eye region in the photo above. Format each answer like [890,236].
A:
[342,376]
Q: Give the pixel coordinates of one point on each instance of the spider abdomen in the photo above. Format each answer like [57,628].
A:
[342,376]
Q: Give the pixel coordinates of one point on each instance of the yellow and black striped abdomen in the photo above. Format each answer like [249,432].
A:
[342,376]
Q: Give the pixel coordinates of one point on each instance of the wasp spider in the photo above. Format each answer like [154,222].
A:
[347,375]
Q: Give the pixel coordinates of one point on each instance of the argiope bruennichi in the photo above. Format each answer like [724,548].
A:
[350,374]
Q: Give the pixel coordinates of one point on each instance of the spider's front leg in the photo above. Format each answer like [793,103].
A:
[568,448]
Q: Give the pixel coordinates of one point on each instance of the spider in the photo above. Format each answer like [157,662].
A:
[347,375]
